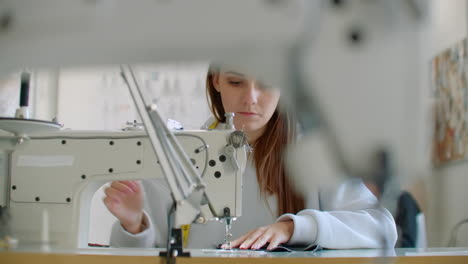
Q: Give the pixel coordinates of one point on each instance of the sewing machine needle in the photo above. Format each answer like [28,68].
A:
[228,236]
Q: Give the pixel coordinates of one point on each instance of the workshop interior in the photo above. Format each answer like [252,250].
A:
[98,91]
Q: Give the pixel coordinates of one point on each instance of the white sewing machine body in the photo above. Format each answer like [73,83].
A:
[60,171]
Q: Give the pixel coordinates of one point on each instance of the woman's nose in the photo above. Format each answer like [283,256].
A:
[251,93]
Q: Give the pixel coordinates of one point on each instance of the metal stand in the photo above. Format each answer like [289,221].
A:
[175,248]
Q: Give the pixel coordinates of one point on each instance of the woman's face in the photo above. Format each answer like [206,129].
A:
[252,102]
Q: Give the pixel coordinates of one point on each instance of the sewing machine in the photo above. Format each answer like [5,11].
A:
[56,173]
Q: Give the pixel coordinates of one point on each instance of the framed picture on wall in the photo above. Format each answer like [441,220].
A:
[450,91]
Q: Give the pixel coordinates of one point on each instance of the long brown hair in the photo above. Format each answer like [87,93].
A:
[268,151]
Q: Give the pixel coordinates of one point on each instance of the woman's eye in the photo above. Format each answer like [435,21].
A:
[235,83]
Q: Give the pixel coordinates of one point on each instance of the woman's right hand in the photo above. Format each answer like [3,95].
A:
[124,199]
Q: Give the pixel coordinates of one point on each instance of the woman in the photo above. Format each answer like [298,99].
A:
[340,217]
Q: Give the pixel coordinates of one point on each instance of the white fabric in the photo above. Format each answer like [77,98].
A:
[344,216]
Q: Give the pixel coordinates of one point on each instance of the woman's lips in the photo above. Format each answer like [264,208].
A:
[247,113]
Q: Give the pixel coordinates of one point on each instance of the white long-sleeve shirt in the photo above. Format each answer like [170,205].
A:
[339,217]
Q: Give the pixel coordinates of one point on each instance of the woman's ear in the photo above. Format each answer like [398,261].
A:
[215,80]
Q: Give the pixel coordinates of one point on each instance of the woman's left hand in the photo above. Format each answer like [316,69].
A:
[274,234]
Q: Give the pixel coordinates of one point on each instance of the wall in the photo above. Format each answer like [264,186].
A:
[447,194]
[96,98]
[9,94]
